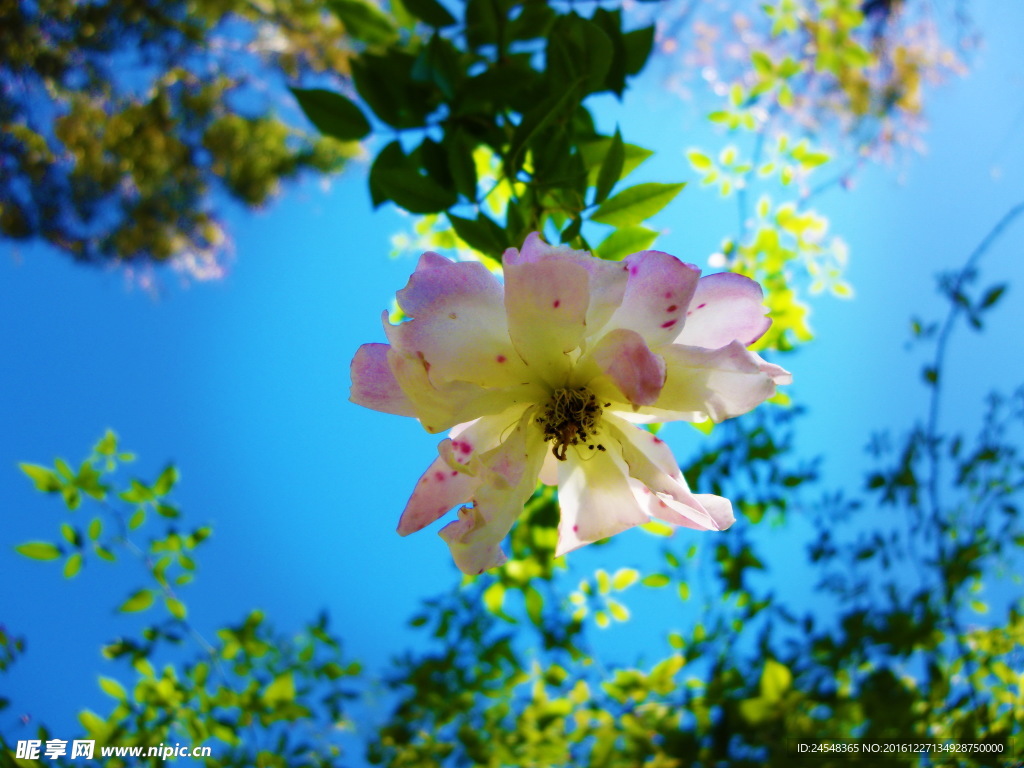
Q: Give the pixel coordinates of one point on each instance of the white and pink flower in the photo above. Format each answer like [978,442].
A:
[546,376]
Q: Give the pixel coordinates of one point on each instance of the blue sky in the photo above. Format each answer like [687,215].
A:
[243,383]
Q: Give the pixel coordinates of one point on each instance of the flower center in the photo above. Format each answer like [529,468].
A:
[570,418]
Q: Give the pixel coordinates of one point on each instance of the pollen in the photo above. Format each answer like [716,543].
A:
[570,418]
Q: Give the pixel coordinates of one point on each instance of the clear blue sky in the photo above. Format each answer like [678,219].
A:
[243,383]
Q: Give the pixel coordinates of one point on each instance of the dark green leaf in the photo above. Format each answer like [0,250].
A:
[414,192]
[481,234]
[386,84]
[462,165]
[993,295]
[532,124]
[364,21]
[430,11]
[332,114]
[481,23]
[638,44]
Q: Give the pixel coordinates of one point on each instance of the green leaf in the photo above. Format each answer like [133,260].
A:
[618,611]
[430,11]
[73,565]
[95,528]
[534,605]
[39,550]
[775,680]
[461,164]
[107,446]
[332,114]
[700,162]
[139,601]
[993,295]
[611,168]
[175,607]
[481,234]
[280,691]
[636,204]
[656,580]
[624,578]
[70,534]
[494,597]
[364,21]
[396,177]
[414,192]
[762,62]
[45,480]
[624,241]
[533,122]
[638,44]
[113,688]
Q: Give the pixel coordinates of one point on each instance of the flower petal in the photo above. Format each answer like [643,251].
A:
[667,496]
[726,307]
[458,324]
[607,278]
[546,303]
[374,385]
[625,358]
[659,289]
[509,475]
[714,383]
[438,280]
[438,490]
[595,497]
[441,407]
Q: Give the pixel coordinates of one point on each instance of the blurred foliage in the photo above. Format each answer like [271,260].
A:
[120,121]
[257,695]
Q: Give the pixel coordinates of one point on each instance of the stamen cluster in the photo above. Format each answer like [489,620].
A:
[570,418]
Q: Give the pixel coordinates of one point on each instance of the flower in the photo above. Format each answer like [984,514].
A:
[547,377]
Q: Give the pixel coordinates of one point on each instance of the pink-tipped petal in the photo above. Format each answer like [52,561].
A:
[658,291]
[726,307]
[714,383]
[437,280]
[508,476]
[624,357]
[458,324]
[595,497]
[546,303]
[437,491]
[374,385]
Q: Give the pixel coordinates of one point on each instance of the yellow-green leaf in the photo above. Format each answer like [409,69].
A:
[139,601]
[656,580]
[73,565]
[636,204]
[45,479]
[775,680]
[280,691]
[39,550]
[624,578]
[113,688]
[175,607]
